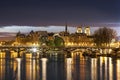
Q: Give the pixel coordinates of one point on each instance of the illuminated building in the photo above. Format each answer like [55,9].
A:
[87,31]
[79,30]
[79,38]
[32,37]
[20,38]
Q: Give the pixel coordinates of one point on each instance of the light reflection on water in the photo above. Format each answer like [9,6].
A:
[44,65]
[69,68]
[110,69]
[118,69]
[75,68]
[93,69]
[18,68]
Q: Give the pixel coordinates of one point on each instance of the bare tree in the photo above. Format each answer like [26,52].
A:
[104,36]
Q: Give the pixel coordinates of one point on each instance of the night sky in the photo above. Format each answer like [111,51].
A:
[26,15]
[58,12]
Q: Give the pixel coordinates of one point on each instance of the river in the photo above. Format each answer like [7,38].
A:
[75,68]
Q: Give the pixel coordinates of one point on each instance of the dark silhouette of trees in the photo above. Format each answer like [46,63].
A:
[43,40]
[58,41]
[50,43]
[104,36]
[55,42]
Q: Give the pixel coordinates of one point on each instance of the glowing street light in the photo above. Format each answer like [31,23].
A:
[34,49]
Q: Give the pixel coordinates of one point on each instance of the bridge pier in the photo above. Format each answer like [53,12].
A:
[24,56]
[68,54]
[8,70]
[7,55]
[18,51]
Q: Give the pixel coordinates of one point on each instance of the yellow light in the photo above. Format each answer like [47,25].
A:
[44,59]
[69,68]
[94,69]
[44,67]
[18,59]
[28,55]
[118,69]
[34,50]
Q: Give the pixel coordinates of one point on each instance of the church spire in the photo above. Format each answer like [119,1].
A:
[66,28]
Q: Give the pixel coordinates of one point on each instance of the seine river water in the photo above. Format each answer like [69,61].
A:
[75,68]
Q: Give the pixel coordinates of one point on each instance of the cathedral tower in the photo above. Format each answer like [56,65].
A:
[87,31]
[79,30]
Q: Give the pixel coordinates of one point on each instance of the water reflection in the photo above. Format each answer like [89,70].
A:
[2,69]
[69,68]
[93,69]
[105,68]
[118,69]
[18,68]
[106,74]
[110,69]
[75,68]
[101,66]
[44,65]
[31,70]
[34,70]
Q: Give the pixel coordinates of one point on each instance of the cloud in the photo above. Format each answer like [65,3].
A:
[10,31]
[7,34]
[27,29]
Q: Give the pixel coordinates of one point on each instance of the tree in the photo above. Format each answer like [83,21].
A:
[104,36]
[50,43]
[43,40]
[58,41]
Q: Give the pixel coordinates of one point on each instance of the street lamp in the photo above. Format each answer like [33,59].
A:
[34,50]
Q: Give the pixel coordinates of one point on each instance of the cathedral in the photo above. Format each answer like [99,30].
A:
[85,30]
